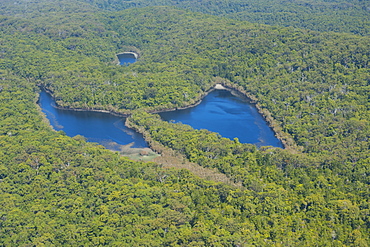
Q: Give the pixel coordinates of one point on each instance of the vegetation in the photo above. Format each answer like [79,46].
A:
[312,86]
[351,16]
[333,15]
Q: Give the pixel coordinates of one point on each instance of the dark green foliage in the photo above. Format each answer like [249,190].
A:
[57,190]
[312,86]
[350,16]
[333,15]
[61,191]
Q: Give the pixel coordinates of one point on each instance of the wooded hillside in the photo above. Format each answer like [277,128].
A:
[312,86]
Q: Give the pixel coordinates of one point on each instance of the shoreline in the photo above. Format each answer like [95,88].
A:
[286,140]
[170,158]
[202,96]
[118,114]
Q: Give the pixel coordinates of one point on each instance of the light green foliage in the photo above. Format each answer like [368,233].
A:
[57,190]
[314,84]
[321,15]
[282,187]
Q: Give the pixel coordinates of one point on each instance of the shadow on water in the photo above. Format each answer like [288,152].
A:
[126,58]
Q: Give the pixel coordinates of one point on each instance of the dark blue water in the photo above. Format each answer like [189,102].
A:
[220,111]
[103,128]
[230,116]
[126,59]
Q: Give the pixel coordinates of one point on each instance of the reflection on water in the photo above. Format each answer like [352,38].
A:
[230,116]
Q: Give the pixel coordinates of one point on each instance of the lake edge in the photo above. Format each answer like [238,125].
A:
[134,153]
[274,125]
[284,138]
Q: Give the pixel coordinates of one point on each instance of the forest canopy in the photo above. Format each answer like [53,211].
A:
[311,85]
[351,16]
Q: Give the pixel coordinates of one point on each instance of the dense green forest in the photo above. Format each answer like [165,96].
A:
[312,87]
[321,15]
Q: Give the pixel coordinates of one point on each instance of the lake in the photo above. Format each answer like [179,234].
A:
[220,111]
[231,116]
[103,128]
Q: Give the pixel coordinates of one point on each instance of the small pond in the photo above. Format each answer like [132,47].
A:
[127,58]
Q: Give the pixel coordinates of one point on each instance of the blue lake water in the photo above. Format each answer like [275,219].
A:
[230,116]
[220,111]
[103,128]
[126,59]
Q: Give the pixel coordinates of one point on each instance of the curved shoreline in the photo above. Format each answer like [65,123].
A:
[118,114]
[247,97]
[201,97]
[224,84]
[285,139]
[117,60]
[129,53]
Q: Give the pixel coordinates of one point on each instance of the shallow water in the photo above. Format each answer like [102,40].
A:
[230,116]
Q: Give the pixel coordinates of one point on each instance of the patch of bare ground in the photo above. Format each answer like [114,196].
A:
[142,154]
[170,158]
